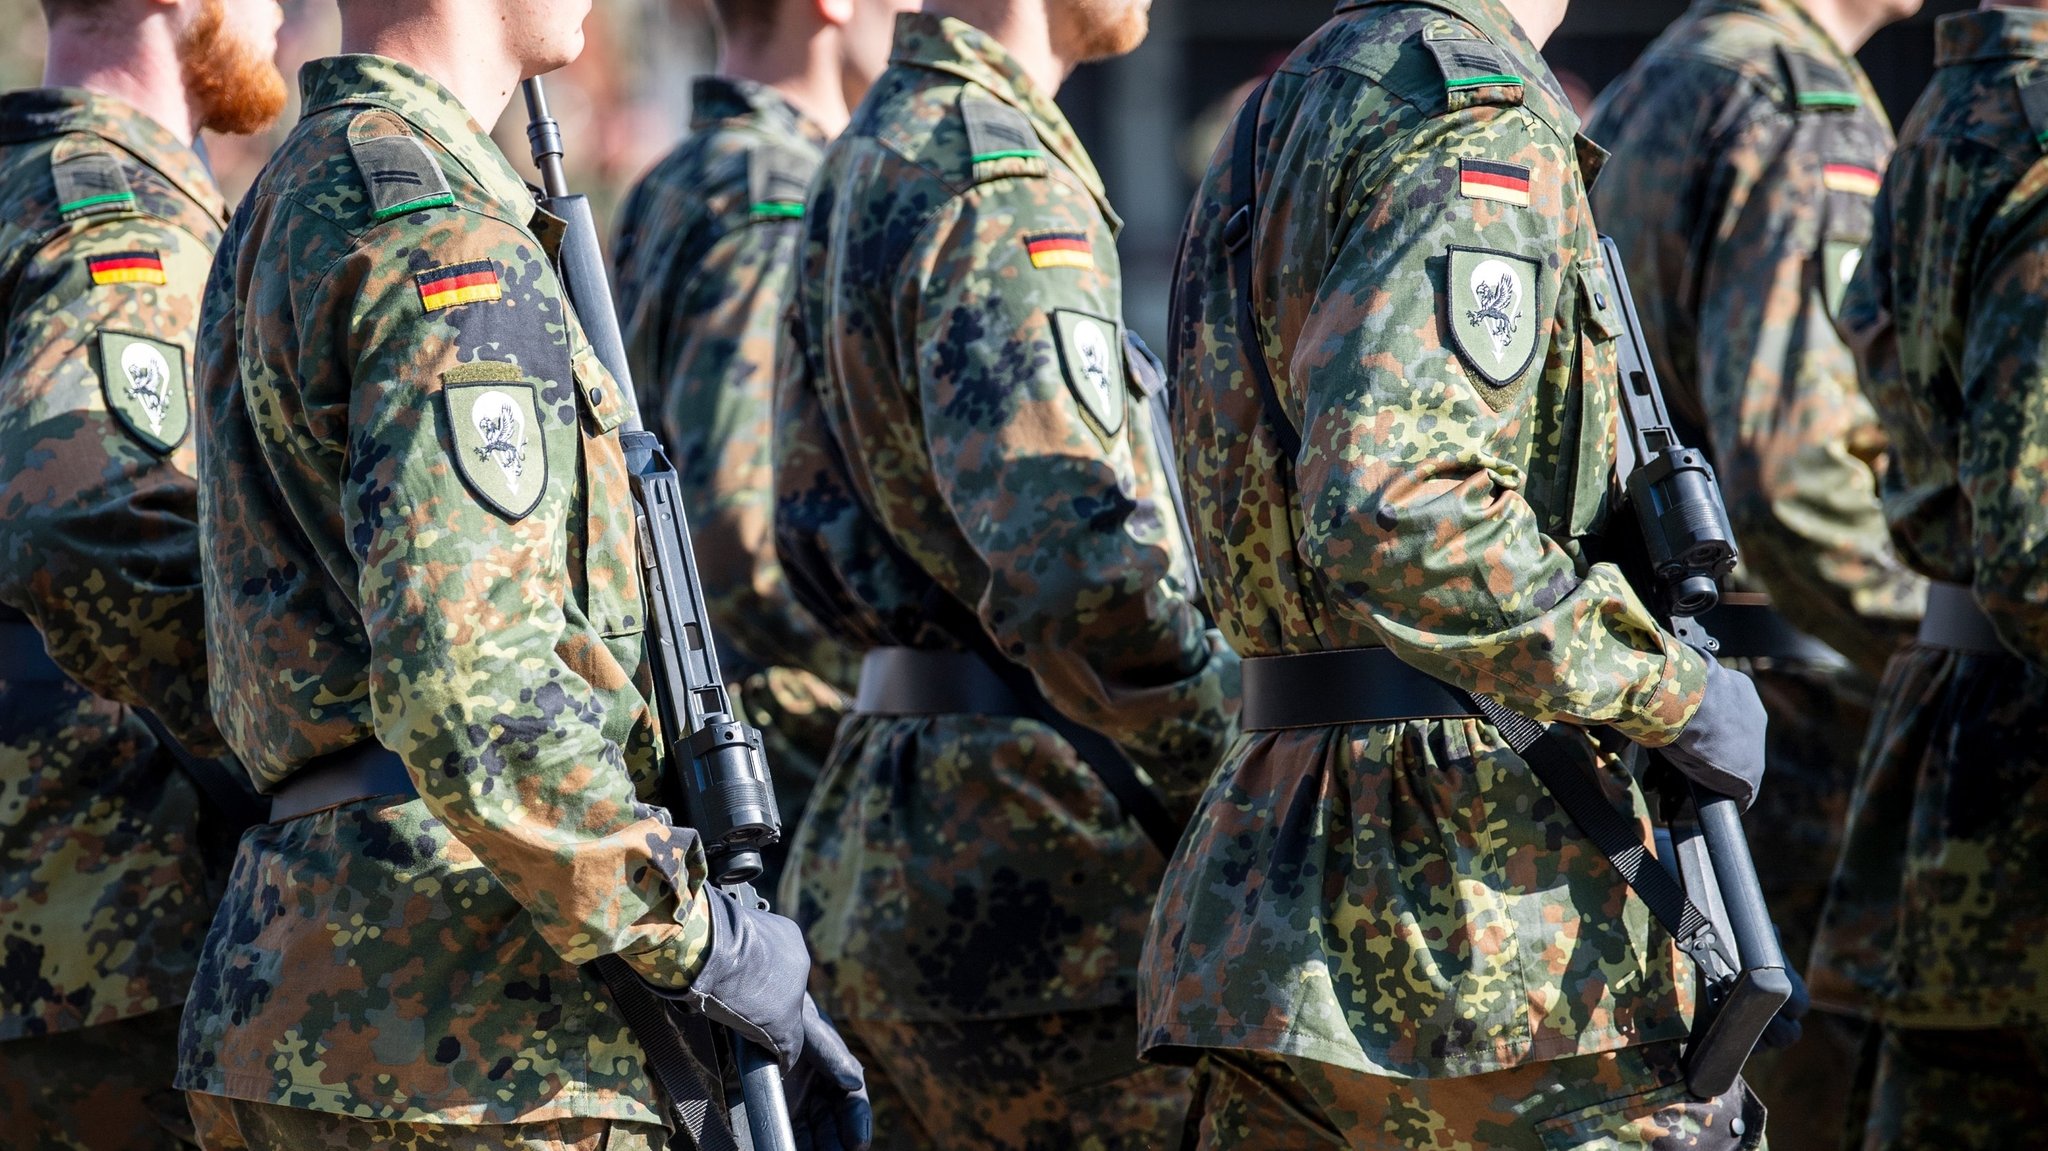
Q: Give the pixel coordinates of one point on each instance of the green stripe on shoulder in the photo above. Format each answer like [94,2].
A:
[1010,154]
[778,211]
[95,202]
[442,200]
[1481,81]
[1830,100]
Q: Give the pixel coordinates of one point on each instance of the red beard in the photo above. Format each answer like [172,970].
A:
[233,88]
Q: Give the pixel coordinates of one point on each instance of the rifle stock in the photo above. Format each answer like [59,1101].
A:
[718,773]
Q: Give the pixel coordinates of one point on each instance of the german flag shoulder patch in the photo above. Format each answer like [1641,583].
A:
[1060,250]
[1852,178]
[1492,180]
[472,283]
[137,267]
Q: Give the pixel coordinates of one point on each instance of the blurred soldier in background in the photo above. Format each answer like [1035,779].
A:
[969,487]
[1747,145]
[1937,920]
[108,220]
[427,629]
[1397,423]
[705,252]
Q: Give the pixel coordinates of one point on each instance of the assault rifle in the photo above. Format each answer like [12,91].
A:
[1687,547]
[718,774]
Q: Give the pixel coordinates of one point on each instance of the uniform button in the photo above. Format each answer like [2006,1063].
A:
[597,394]
[1600,300]
[1736,1126]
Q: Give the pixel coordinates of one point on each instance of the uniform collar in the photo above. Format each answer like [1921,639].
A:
[1792,16]
[944,44]
[337,81]
[39,113]
[1990,34]
[720,99]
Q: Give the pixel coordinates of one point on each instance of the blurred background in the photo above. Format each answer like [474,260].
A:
[1149,119]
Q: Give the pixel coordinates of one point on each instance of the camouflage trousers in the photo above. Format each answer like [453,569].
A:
[104,1088]
[1975,1090]
[1039,1083]
[1818,721]
[239,1125]
[1628,1100]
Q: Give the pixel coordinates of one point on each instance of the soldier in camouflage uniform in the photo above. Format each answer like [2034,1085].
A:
[1381,930]
[967,482]
[1747,145]
[108,220]
[705,249]
[1937,920]
[427,623]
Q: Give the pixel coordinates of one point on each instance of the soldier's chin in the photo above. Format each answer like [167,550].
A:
[1105,35]
[233,87]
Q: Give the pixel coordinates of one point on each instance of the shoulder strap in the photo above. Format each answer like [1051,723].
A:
[1237,239]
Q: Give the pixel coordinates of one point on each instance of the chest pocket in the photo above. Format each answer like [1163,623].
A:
[610,557]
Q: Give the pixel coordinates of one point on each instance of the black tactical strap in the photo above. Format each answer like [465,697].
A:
[221,782]
[1101,753]
[1237,238]
[690,1086]
[1154,382]
[1558,765]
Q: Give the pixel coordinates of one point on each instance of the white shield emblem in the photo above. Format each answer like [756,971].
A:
[1498,294]
[501,428]
[148,377]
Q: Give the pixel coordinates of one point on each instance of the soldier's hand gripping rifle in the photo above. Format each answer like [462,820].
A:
[1687,547]
[718,773]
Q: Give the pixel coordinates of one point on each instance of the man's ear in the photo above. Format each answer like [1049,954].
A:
[838,13]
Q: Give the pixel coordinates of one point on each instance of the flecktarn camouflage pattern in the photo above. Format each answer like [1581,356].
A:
[1937,917]
[1404,901]
[961,416]
[1746,152]
[704,258]
[107,224]
[1738,288]
[417,530]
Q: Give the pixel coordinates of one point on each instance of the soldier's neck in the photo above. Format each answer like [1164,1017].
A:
[804,65]
[134,63]
[1022,28]
[1851,23]
[1537,18]
[479,72]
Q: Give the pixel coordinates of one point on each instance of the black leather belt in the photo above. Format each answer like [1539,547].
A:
[23,658]
[1334,688]
[366,771]
[1756,630]
[1954,621]
[910,681]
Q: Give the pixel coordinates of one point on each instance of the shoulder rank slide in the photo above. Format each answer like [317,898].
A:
[778,180]
[1816,85]
[90,181]
[471,283]
[142,266]
[1475,71]
[1491,180]
[1000,139]
[399,173]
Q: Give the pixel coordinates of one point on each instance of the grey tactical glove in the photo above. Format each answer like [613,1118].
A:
[753,981]
[828,1093]
[1722,749]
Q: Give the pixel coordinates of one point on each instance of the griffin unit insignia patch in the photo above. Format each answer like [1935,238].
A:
[144,384]
[494,421]
[1492,306]
[1091,354]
